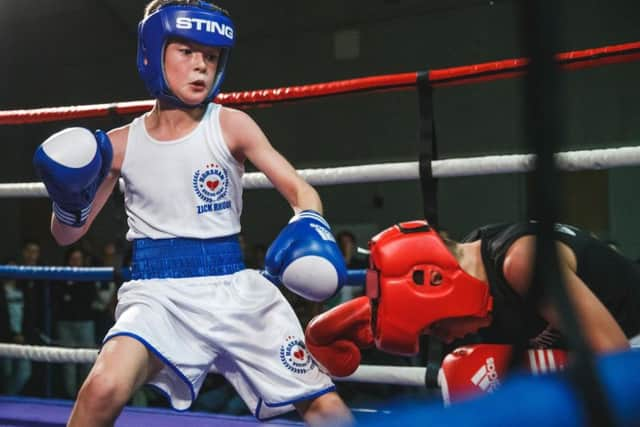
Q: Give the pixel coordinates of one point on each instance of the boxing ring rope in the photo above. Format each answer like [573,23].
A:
[395,375]
[401,171]
[495,70]
[410,376]
[85,274]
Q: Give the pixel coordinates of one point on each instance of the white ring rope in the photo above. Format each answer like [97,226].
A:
[397,375]
[48,354]
[403,171]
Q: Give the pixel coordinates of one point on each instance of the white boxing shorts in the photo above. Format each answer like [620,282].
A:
[239,324]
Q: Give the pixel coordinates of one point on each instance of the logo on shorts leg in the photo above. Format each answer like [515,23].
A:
[295,357]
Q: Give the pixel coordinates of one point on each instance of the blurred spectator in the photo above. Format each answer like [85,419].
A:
[243,246]
[111,256]
[349,248]
[218,395]
[355,261]
[73,316]
[258,252]
[30,253]
[254,255]
[14,372]
[305,310]
[8,326]
[24,304]
[105,301]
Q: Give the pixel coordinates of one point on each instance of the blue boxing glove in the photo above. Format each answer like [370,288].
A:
[72,164]
[306,259]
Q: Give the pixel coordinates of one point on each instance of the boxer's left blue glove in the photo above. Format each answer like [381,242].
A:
[306,259]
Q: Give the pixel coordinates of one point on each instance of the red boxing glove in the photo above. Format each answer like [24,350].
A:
[335,337]
[475,369]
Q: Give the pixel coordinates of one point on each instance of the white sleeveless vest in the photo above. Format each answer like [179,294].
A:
[189,187]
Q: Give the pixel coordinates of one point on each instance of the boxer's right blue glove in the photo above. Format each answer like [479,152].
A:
[72,164]
[306,259]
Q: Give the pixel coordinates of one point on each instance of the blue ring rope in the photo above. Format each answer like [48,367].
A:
[88,274]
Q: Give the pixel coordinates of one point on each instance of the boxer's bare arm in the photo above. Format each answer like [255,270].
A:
[246,140]
[65,235]
[600,328]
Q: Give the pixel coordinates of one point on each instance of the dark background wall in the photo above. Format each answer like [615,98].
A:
[74,52]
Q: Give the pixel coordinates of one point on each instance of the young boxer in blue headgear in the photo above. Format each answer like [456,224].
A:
[191,304]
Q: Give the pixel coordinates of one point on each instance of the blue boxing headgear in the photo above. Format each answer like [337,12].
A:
[200,23]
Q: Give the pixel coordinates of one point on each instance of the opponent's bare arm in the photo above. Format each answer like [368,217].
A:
[600,328]
[247,141]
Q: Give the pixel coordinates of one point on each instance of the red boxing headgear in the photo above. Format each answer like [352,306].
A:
[414,281]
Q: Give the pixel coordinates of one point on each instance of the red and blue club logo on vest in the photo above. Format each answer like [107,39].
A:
[211,183]
[295,357]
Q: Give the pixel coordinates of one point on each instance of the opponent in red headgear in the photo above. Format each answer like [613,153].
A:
[415,281]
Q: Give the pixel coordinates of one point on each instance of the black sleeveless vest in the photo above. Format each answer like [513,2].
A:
[613,278]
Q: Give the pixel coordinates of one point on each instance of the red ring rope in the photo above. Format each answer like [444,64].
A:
[466,74]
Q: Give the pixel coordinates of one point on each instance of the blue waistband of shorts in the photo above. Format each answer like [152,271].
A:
[180,257]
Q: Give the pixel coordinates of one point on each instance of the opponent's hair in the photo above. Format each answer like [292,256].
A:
[451,244]
[154,5]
